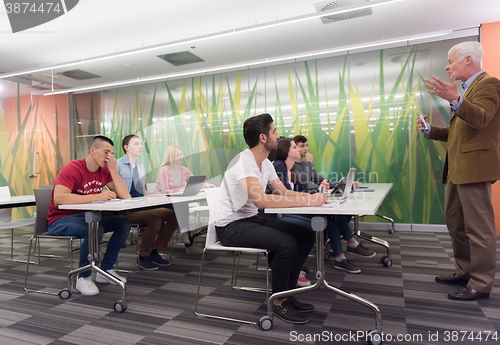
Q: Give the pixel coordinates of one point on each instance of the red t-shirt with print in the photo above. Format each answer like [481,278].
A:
[79,180]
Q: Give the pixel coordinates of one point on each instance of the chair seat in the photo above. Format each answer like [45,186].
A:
[218,246]
[17,223]
[57,237]
[198,209]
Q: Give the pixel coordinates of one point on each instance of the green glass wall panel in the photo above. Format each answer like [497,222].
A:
[357,110]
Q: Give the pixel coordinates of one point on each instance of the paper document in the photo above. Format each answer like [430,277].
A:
[106,201]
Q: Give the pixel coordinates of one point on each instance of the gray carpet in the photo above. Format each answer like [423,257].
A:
[160,303]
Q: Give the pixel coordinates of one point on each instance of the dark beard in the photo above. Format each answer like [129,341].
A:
[269,146]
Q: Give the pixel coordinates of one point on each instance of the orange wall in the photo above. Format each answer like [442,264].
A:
[490,34]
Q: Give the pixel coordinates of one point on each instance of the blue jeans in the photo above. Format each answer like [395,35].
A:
[337,226]
[75,225]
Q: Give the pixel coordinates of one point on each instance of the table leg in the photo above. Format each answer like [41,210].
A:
[386,259]
[319,224]
[93,218]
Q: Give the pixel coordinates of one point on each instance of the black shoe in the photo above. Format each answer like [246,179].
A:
[465,294]
[286,312]
[147,264]
[346,265]
[452,280]
[158,259]
[361,251]
[299,306]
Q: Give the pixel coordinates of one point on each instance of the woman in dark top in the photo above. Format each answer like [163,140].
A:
[285,157]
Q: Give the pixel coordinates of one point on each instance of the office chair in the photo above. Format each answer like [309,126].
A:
[42,199]
[212,243]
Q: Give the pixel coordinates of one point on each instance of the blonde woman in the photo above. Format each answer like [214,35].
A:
[172,178]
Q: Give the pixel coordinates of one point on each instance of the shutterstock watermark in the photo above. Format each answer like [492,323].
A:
[26,14]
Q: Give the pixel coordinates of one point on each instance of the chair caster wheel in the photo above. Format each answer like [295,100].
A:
[265,323]
[133,242]
[391,231]
[386,261]
[374,338]
[64,294]
[119,307]
[327,256]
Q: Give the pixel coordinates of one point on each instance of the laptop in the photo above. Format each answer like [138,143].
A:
[337,194]
[193,186]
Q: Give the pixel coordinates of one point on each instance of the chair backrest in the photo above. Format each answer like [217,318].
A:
[5,213]
[5,193]
[42,199]
[150,186]
[212,196]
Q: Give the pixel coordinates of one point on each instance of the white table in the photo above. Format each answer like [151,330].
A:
[17,201]
[358,203]
[93,217]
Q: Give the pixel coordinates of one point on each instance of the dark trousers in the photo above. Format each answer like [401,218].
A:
[290,245]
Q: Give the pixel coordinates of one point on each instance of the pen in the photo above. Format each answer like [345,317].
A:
[322,189]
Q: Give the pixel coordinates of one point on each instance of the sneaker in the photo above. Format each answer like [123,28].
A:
[361,251]
[147,264]
[86,286]
[185,237]
[286,312]
[158,259]
[346,265]
[303,281]
[194,249]
[102,279]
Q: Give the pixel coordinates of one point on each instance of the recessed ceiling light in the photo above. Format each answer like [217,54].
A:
[125,64]
[192,40]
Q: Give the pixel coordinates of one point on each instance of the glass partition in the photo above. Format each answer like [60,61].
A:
[357,110]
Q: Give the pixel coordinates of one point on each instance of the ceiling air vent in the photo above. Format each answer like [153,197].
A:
[338,4]
[78,74]
[180,58]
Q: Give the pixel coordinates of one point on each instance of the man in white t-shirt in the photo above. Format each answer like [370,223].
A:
[239,225]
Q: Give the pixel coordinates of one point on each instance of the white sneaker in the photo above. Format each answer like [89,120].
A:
[102,279]
[86,286]
[185,237]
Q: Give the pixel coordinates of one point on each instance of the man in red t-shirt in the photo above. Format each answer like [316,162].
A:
[81,182]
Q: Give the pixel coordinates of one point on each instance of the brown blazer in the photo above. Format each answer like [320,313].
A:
[473,135]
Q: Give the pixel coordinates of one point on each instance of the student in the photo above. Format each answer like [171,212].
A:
[308,177]
[160,222]
[81,182]
[239,225]
[172,178]
[286,155]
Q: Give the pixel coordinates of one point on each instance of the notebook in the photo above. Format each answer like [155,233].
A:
[335,196]
[193,186]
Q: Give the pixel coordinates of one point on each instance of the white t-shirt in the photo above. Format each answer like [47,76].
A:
[234,203]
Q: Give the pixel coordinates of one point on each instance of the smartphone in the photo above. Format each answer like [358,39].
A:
[421,117]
